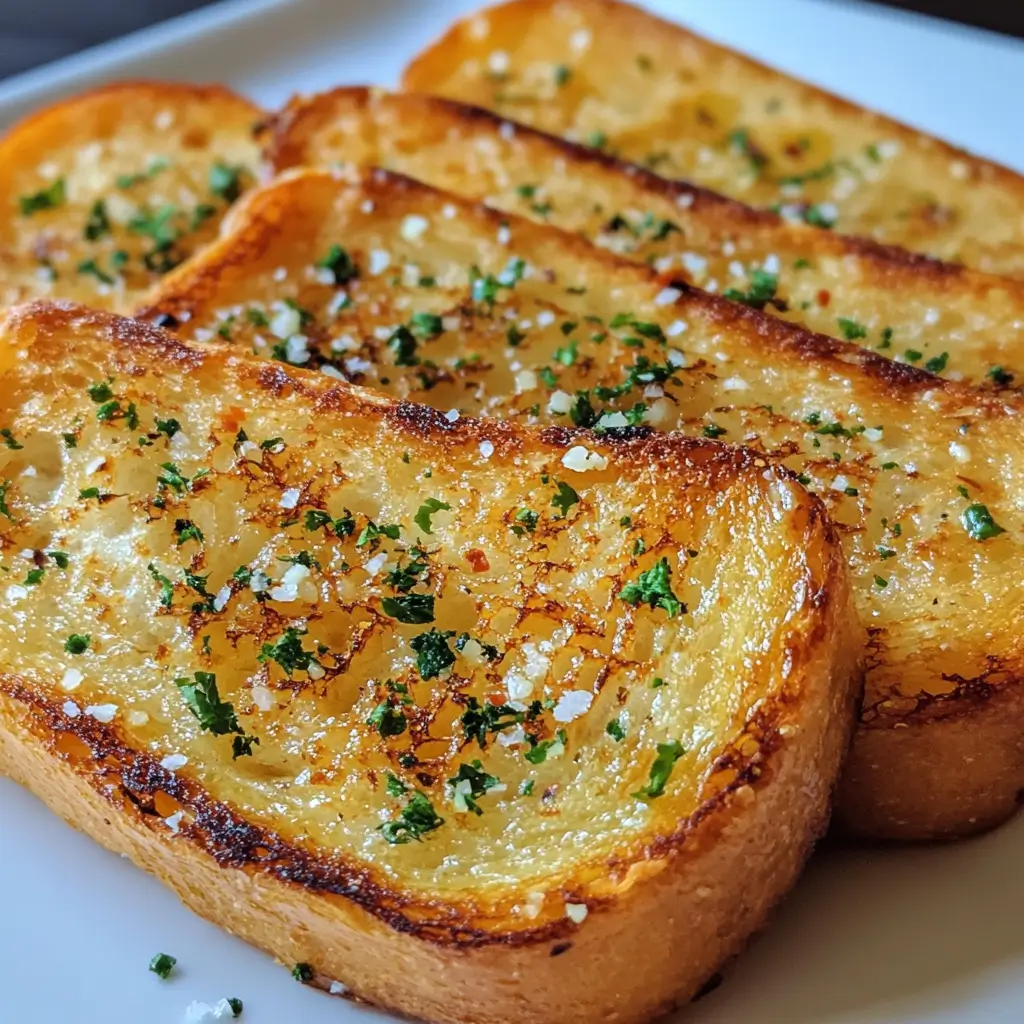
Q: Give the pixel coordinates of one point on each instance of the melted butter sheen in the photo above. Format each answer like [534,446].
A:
[319,771]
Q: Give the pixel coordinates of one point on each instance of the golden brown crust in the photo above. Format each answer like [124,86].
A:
[897,454]
[119,186]
[378,917]
[697,110]
[962,323]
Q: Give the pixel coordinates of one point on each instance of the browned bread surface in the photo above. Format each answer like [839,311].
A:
[430,297]
[101,194]
[954,321]
[296,650]
[610,74]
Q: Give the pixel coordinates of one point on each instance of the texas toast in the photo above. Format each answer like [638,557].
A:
[387,282]
[467,713]
[616,77]
[101,194]
[950,320]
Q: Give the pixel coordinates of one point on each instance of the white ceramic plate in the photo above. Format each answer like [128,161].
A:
[915,935]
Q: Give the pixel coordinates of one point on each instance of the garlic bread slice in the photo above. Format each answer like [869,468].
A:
[392,284]
[470,707]
[101,194]
[614,76]
[945,318]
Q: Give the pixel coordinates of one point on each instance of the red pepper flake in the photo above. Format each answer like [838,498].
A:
[477,560]
[824,297]
[497,699]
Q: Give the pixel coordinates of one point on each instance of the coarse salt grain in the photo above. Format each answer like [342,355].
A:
[572,704]
[71,709]
[172,762]
[486,449]
[576,912]
[102,712]
[581,460]
[667,296]
[379,261]
[560,403]
[413,227]
[71,679]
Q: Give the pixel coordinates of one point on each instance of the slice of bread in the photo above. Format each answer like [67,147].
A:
[101,194]
[613,75]
[422,706]
[393,284]
[956,322]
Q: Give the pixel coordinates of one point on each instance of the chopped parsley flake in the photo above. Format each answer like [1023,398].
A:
[426,325]
[166,586]
[539,752]
[387,720]
[652,588]
[526,521]
[480,719]
[414,609]
[417,817]
[288,652]
[426,510]
[162,965]
[77,643]
[46,199]
[479,781]
[226,182]
[302,972]
[214,715]
[661,770]
[979,524]
[615,729]
[98,223]
[851,329]
[340,264]
[565,497]
[763,286]
[433,655]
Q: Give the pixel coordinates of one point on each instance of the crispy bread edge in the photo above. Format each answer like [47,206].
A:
[654,25]
[710,885]
[950,766]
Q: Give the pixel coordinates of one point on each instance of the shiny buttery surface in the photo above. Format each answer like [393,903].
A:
[200,555]
[956,322]
[897,455]
[101,196]
[608,74]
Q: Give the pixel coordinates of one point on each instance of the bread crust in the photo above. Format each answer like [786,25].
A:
[957,322]
[701,887]
[898,492]
[698,110]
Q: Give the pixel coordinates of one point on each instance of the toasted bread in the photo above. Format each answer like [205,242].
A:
[237,673]
[957,322]
[613,75]
[101,194]
[430,297]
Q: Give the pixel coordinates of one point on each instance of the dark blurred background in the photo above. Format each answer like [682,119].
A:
[41,30]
